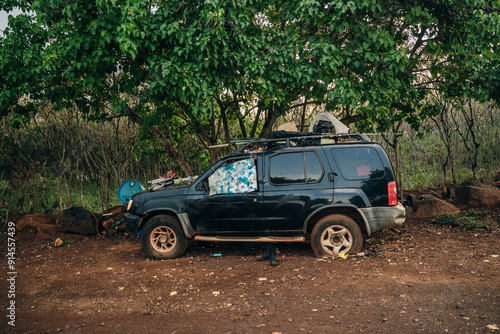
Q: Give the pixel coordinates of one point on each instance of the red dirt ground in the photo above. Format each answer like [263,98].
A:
[430,279]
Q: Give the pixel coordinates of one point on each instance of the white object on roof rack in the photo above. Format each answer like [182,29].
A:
[325,117]
[163,182]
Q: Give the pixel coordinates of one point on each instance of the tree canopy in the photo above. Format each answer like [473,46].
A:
[200,66]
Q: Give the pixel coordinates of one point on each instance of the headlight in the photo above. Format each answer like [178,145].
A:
[129,205]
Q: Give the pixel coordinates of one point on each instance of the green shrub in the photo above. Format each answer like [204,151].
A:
[467,220]
[475,214]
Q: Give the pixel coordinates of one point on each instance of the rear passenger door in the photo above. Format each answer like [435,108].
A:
[295,184]
[362,177]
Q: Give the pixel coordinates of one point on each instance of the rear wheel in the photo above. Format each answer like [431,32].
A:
[334,234]
[162,238]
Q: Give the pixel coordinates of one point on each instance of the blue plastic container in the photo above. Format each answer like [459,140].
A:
[127,189]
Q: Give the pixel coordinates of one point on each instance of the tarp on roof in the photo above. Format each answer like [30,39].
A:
[325,122]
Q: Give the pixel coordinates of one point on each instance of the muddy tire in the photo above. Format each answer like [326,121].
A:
[334,234]
[162,238]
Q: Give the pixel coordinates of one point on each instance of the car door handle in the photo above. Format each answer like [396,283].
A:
[252,195]
[331,177]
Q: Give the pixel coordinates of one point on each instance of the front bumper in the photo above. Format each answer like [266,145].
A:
[132,223]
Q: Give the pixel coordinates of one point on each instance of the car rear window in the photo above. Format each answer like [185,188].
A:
[358,163]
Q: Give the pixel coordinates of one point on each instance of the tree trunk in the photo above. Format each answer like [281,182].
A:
[303,117]
[169,146]
[268,124]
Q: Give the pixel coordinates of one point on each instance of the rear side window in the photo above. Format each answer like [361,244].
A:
[314,171]
[359,163]
[295,168]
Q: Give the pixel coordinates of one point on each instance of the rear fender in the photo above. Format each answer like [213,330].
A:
[349,210]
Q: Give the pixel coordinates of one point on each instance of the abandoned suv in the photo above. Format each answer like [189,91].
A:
[329,190]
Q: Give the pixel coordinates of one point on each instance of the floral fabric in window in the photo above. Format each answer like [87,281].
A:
[238,177]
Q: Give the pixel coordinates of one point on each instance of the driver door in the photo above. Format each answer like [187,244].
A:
[233,203]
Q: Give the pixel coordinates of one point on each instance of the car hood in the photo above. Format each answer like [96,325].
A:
[160,193]
[170,197]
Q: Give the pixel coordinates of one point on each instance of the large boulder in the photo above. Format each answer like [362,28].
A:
[428,206]
[33,221]
[78,220]
[475,194]
[47,231]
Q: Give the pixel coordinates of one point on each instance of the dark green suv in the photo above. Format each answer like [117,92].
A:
[329,190]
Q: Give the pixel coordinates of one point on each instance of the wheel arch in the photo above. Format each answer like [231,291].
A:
[182,218]
[155,213]
[350,211]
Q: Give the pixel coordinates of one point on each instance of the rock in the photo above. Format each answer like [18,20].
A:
[14,217]
[78,220]
[33,221]
[476,194]
[58,242]
[429,206]
[47,231]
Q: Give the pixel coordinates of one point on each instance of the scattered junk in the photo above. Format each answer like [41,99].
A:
[74,220]
[163,182]
[170,178]
[367,253]
[113,220]
[129,188]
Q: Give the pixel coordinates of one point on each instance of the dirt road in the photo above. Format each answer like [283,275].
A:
[430,279]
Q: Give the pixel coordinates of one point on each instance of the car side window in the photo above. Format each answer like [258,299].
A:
[358,163]
[314,170]
[233,178]
[295,168]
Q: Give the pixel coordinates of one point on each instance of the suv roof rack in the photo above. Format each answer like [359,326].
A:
[298,139]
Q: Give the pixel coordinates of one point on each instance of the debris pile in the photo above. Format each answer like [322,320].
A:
[75,220]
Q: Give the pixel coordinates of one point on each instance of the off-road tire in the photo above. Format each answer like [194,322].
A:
[162,237]
[336,234]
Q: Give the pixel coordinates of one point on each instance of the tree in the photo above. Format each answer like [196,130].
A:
[206,62]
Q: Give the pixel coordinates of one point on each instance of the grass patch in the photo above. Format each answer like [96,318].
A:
[468,220]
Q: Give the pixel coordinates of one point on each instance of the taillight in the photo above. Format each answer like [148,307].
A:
[392,193]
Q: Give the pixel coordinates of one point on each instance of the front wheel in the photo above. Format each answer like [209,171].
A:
[162,238]
[336,234]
